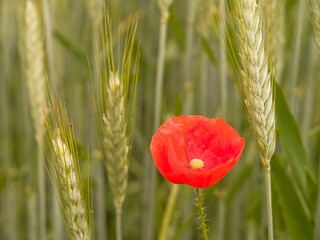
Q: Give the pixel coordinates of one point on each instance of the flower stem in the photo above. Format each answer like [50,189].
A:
[269,202]
[118,223]
[168,212]
[201,213]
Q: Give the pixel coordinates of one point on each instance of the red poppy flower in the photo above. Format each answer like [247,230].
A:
[195,150]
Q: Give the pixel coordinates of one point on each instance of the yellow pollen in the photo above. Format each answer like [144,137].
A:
[196,163]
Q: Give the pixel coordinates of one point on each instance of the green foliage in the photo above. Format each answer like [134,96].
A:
[71,41]
[297,219]
[290,140]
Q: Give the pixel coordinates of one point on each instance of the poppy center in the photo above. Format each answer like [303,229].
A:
[196,163]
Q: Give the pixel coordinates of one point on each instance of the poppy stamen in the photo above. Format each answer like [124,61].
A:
[196,163]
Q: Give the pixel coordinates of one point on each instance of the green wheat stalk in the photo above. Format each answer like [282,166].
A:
[65,174]
[148,221]
[256,85]
[277,32]
[95,9]
[117,89]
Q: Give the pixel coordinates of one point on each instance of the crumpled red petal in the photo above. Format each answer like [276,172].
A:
[183,138]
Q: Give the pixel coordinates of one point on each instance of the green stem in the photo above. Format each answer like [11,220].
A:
[49,42]
[201,213]
[269,201]
[223,57]
[100,217]
[221,218]
[118,223]
[32,218]
[168,212]
[157,106]
[188,82]
[297,53]
[42,191]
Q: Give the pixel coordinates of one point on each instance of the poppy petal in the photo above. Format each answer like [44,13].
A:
[190,137]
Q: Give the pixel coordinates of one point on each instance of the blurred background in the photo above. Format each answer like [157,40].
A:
[198,79]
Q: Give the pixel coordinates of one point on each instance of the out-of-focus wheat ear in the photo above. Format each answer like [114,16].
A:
[116,107]
[256,82]
[315,13]
[36,83]
[35,67]
[115,141]
[257,86]
[63,169]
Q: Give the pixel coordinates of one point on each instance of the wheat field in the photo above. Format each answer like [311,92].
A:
[85,84]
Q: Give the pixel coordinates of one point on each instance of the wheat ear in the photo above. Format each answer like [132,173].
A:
[36,83]
[65,174]
[257,88]
[115,141]
[256,83]
[73,205]
[35,69]
[116,113]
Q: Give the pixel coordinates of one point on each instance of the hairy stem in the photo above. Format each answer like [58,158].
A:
[201,214]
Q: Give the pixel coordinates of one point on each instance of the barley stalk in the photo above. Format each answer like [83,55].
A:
[65,174]
[257,88]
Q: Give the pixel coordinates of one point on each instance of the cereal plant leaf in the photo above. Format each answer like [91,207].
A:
[290,139]
[312,191]
[70,46]
[298,224]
